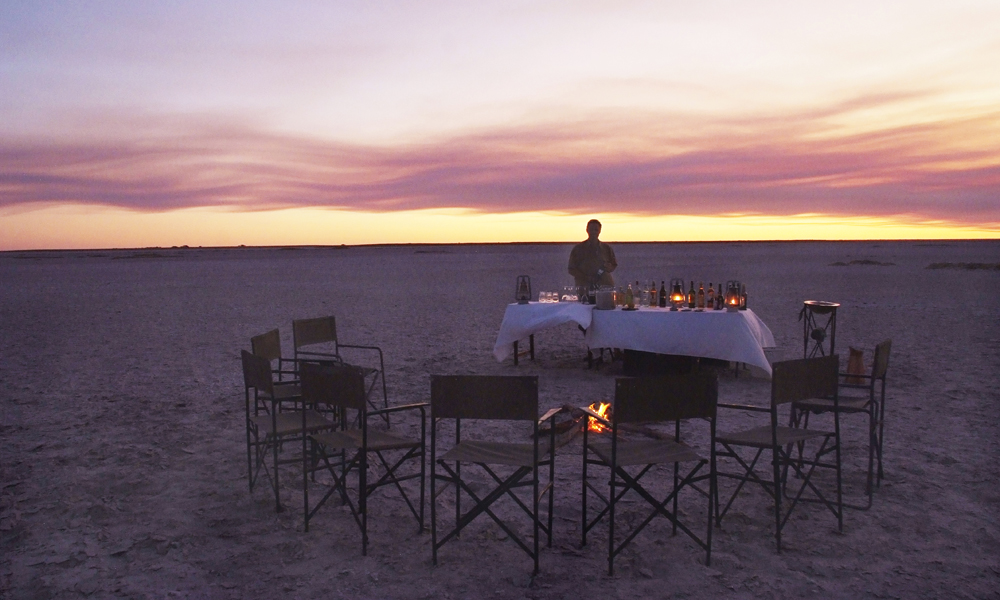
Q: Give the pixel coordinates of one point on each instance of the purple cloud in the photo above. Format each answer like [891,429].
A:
[774,166]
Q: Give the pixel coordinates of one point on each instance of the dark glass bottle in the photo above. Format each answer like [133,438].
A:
[720,299]
[691,296]
[710,297]
[663,294]
[701,295]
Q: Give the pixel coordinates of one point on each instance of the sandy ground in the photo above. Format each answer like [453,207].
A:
[123,466]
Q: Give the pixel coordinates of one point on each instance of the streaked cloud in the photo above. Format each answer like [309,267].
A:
[648,164]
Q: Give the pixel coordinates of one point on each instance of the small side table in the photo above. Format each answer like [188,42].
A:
[817,331]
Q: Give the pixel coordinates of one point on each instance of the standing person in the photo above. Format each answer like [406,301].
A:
[592,261]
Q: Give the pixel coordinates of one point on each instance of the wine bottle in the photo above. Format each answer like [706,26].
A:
[710,297]
[691,296]
[629,298]
[720,299]
[663,294]
[701,295]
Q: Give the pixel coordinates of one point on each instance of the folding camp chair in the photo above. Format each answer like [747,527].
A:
[870,402]
[481,397]
[791,381]
[322,331]
[651,400]
[348,450]
[273,417]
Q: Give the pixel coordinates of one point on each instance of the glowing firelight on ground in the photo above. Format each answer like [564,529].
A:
[600,408]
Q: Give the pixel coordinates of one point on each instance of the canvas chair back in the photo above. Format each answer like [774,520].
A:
[795,380]
[880,364]
[513,398]
[340,386]
[667,398]
[308,332]
[267,345]
[257,373]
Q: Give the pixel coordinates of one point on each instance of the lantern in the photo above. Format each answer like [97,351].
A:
[676,293]
[522,291]
[732,296]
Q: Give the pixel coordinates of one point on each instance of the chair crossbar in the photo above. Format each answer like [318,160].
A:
[482,505]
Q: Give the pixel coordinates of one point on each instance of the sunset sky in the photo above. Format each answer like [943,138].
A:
[134,124]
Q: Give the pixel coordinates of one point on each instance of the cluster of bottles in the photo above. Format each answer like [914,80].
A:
[699,300]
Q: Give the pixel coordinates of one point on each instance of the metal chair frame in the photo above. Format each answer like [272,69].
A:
[269,421]
[873,406]
[791,381]
[343,387]
[484,397]
[674,398]
[323,330]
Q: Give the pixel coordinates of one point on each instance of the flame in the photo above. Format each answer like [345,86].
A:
[600,408]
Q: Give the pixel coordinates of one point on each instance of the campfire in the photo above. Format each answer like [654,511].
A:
[603,409]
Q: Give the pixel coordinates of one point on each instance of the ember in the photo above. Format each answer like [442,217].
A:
[602,409]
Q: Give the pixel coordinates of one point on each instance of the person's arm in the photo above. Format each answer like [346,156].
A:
[575,268]
[610,262]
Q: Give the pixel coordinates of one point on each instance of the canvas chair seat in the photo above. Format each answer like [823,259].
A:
[352,439]
[496,453]
[760,437]
[291,422]
[645,452]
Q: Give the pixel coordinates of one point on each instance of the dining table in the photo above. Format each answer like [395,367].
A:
[737,336]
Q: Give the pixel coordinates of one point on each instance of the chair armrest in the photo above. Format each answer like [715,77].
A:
[549,414]
[384,411]
[602,420]
[327,354]
[359,346]
[748,407]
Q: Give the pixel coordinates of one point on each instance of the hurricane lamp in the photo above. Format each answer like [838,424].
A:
[732,296]
[522,291]
[676,294]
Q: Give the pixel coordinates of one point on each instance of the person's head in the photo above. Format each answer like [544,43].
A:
[593,229]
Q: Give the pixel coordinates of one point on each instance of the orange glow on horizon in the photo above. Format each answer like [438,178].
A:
[76,227]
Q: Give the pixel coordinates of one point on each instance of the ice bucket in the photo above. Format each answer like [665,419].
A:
[605,300]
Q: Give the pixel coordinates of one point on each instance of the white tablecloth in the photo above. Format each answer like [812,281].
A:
[736,336]
[522,320]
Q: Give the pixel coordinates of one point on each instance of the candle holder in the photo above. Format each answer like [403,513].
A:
[732,296]
[676,294]
[522,291]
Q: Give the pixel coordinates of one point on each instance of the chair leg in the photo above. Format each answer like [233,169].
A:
[778,485]
[363,500]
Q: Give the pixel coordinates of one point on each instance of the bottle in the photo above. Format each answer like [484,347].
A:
[629,298]
[663,294]
[701,295]
[710,297]
[720,299]
[743,297]
[691,296]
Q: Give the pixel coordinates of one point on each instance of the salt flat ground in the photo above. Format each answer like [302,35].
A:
[123,452]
